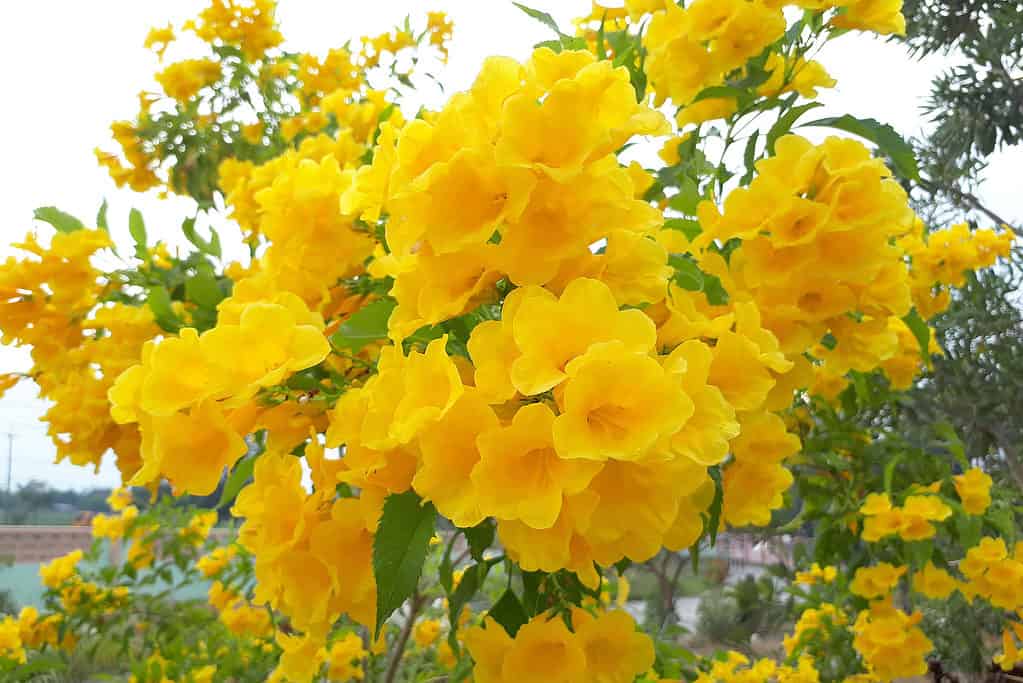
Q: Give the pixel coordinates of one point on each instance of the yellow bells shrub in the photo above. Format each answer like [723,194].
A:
[451,450]
[493,349]
[617,404]
[637,506]
[934,583]
[763,438]
[562,546]
[190,449]
[56,572]
[301,657]
[345,658]
[543,650]
[584,115]
[616,652]
[890,642]
[183,80]
[552,332]
[752,490]
[635,268]
[877,581]
[705,435]
[974,490]
[881,16]
[520,475]
[431,288]
[426,632]
[266,345]
[300,210]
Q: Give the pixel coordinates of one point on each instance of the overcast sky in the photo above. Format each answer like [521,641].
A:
[73,67]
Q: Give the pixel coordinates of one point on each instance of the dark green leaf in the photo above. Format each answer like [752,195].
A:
[508,612]
[881,134]
[63,222]
[366,325]
[399,550]
[137,230]
[688,197]
[480,537]
[472,578]
[714,512]
[785,122]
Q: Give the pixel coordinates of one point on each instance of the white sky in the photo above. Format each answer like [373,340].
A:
[73,67]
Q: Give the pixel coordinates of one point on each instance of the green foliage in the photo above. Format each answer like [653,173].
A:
[399,550]
[63,222]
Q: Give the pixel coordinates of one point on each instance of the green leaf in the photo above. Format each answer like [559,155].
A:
[687,274]
[544,18]
[137,230]
[239,476]
[718,92]
[688,197]
[509,613]
[366,325]
[881,134]
[101,217]
[889,472]
[687,226]
[202,288]
[969,529]
[953,443]
[211,246]
[480,537]
[918,326]
[63,222]
[714,512]
[399,550]
[159,302]
[784,123]
[472,578]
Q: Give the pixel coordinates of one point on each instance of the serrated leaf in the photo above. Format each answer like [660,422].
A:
[366,325]
[544,18]
[881,134]
[399,551]
[63,222]
[509,613]
[137,230]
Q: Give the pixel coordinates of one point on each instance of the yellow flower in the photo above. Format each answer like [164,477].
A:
[877,581]
[974,489]
[183,80]
[933,582]
[617,404]
[520,476]
[550,333]
[301,656]
[426,632]
[450,453]
[881,16]
[59,570]
[159,38]
[616,652]
[344,658]
[891,643]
